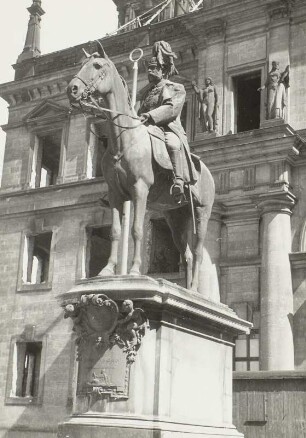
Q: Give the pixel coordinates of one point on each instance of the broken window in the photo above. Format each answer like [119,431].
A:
[182,7]
[46,159]
[164,256]
[26,368]
[96,147]
[36,258]
[97,250]
[246,352]
[247,101]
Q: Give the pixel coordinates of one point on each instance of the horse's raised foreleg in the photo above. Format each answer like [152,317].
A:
[178,221]
[201,216]
[116,208]
[139,197]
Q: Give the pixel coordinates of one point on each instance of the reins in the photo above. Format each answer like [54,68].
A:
[87,94]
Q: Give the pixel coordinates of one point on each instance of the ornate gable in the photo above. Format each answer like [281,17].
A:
[45,112]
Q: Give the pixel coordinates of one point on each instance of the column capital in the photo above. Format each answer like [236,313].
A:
[276,201]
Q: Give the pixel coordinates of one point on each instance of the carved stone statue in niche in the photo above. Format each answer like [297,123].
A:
[276,85]
[208,105]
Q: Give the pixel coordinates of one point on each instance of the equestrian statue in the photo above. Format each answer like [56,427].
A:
[148,160]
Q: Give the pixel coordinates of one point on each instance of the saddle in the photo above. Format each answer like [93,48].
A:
[161,155]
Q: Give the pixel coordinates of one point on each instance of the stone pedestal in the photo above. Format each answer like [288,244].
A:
[176,383]
[271,123]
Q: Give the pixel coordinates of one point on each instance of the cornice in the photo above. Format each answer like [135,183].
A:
[161,293]
[251,148]
[65,196]
[298,260]
[35,89]
[278,10]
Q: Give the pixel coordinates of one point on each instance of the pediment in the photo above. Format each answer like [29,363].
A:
[45,110]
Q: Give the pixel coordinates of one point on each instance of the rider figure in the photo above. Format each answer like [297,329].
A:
[162,106]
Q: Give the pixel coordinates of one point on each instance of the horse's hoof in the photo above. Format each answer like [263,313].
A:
[106,272]
[135,272]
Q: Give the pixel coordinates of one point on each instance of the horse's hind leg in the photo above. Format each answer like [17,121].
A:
[202,215]
[139,196]
[116,207]
[178,221]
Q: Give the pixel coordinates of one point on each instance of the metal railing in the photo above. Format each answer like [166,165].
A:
[163,11]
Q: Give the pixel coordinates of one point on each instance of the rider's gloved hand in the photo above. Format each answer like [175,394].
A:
[145,117]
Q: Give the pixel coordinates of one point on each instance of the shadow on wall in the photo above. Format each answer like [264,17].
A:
[36,421]
[299,330]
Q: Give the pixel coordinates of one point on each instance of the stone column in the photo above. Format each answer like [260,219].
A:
[276,337]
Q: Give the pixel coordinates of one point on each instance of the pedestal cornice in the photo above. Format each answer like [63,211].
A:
[162,294]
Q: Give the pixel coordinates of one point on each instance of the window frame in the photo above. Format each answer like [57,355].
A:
[35,138]
[230,113]
[83,244]
[45,286]
[248,358]
[89,138]
[32,400]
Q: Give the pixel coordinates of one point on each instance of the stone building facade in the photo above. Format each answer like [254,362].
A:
[55,221]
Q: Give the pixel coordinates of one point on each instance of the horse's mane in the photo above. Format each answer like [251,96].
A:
[127,91]
[109,62]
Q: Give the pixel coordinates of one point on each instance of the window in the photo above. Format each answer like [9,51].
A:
[247,101]
[46,159]
[167,12]
[36,258]
[182,7]
[164,256]
[97,250]
[26,369]
[96,148]
[246,352]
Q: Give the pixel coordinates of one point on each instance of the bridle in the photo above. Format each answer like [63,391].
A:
[87,95]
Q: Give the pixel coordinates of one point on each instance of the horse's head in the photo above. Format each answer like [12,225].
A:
[95,77]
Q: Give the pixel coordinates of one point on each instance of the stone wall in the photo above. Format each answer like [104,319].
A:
[253,170]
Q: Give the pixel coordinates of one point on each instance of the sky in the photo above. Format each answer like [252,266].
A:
[66,23]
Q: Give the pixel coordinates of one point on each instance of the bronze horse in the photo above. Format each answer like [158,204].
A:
[132,173]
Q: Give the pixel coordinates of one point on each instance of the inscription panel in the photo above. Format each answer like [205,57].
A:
[104,371]
[246,51]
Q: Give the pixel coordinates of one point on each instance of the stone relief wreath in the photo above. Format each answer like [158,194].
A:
[97,319]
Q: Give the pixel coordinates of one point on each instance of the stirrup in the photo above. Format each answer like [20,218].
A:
[177,192]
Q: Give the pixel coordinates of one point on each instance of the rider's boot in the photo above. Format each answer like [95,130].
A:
[177,189]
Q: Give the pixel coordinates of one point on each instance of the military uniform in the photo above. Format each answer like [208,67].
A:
[164,102]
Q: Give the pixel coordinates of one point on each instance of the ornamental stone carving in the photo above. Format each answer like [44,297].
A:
[108,339]
[98,321]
